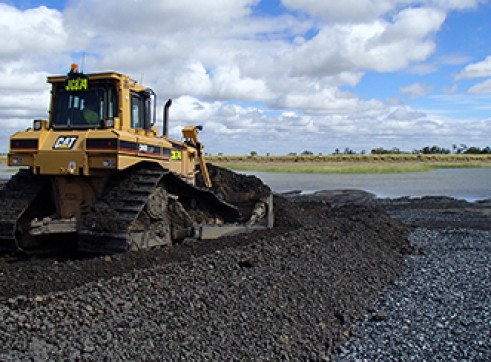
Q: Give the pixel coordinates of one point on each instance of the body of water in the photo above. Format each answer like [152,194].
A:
[470,184]
[6,172]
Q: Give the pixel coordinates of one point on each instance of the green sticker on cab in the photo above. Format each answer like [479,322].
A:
[176,155]
[79,84]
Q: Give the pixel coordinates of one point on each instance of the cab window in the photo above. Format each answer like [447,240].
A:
[83,109]
[136,111]
[141,110]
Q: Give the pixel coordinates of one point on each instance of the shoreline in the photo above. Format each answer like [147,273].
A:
[346,165]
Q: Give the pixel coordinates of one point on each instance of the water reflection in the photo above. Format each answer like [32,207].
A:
[7,172]
[469,184]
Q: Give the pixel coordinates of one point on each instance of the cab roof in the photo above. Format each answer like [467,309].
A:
[109,75]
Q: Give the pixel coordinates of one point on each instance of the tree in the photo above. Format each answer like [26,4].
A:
[477,150]
[433,150]
[473,151]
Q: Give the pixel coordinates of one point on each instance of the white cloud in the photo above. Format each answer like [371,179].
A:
[451,90]
[27,104]
[476,70]
[456,4]
[229,83]
[416,23]
[233,56]
[156,17]
[380,45]
[195,80]
[347,10]
[38,30]
[226,126]
[360,11]
[19,75]
[32,42]
[416,90]
[402,113]
[481,88]
[223,66]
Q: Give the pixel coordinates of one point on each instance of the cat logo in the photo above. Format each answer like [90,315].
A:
[65,142]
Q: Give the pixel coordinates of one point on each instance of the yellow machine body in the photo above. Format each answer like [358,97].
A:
[123,139]
[99,169]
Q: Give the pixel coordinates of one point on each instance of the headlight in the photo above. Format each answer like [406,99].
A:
[109,123]
[37,124]
[108,163]
[17,160]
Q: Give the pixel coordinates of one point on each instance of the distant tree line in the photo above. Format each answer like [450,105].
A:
[427,150]
[433,150]
[471,150]
[383,151]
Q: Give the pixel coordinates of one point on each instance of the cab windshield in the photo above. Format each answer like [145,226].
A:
[84,109]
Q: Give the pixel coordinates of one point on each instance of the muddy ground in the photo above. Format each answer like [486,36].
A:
[305,284]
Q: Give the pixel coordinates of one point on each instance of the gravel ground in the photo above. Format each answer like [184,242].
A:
[327,281]
[291,293]
[440,307]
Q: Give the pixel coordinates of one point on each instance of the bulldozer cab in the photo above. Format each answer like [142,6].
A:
[80,102]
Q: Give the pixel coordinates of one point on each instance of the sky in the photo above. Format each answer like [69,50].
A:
[272,76]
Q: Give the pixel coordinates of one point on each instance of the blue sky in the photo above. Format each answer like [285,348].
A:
[275,76]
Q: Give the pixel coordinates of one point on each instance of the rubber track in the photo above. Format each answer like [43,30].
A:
[15,197]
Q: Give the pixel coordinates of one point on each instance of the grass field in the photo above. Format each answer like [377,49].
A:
[345,163]
[350,163]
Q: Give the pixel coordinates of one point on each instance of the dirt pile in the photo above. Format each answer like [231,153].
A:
[240,190]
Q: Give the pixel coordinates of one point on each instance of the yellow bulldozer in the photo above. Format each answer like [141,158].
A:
[98,172]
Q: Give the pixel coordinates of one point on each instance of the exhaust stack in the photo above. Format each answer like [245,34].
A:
[166,117]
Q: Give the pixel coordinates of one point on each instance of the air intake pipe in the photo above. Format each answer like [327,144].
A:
[166,117]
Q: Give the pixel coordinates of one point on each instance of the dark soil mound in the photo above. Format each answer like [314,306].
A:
[234,187]
[238,189]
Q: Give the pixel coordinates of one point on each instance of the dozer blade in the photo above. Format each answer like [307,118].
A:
[262,218]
